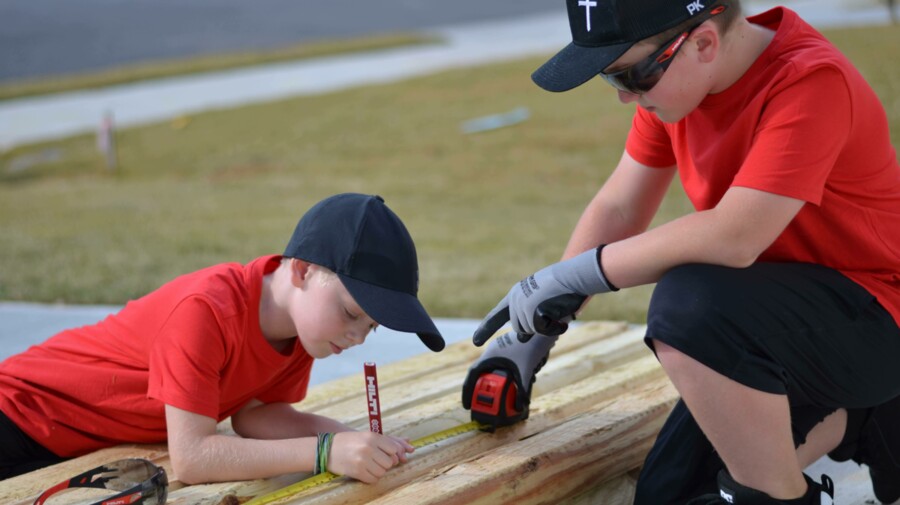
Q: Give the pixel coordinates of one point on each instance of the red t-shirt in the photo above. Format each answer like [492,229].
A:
[802,122]
[195,343]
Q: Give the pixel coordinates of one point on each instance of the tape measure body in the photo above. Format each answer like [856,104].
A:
[324,477]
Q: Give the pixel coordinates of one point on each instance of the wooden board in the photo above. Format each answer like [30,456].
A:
[596,408]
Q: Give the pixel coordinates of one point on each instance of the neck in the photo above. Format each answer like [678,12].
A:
[743,45]
[274,319]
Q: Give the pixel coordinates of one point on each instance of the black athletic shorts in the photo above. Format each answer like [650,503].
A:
[786,328]
[19,453]
[798,329]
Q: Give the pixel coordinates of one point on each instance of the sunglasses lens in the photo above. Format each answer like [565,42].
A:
[149,478]
[630,80]
[645,82]
[156,496]
[162,487]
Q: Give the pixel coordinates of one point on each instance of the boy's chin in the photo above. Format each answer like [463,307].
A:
[315,352]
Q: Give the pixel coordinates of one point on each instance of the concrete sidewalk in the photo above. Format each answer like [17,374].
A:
[60,115]
[54,116]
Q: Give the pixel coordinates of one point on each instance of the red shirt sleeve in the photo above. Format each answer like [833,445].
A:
[801,133]
[212,364]
[186,359]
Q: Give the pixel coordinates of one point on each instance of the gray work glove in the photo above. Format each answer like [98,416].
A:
[520,360]
[543,303]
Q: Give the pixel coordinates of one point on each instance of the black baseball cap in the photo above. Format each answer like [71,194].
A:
[603,30]
[361,240]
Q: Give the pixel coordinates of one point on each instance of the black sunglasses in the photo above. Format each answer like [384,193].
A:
[138,480]
[643,75]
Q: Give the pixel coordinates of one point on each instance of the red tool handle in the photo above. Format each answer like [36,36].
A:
[372,397]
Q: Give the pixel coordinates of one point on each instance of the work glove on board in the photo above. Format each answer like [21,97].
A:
[544,302]
[519,360]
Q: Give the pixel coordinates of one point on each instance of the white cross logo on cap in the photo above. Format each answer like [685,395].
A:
[587,4]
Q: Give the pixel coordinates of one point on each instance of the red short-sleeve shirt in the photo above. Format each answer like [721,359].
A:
[195,343]
[802,122]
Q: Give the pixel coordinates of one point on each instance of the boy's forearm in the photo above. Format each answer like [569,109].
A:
[732,234]
[275,439]
[623,207]
[596,226]
[221,458]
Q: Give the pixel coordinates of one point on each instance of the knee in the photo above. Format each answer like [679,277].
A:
[686,300]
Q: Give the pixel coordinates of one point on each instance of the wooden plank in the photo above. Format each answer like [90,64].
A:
[416,380]
[547,411]
[607,337]
[458,355]
[224,493]
[595,378]
[432,376]
[618,491]
[592,348]
[593,446]
[408,404]
[24,489]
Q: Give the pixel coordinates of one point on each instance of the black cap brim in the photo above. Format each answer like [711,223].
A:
[576,65]
[395,310]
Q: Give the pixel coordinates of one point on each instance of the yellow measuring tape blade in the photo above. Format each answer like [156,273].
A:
[448,433]
[324,477]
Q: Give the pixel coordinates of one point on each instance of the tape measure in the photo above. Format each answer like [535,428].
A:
[322,478]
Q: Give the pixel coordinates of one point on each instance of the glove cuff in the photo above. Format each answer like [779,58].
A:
[585,276]
[610,285]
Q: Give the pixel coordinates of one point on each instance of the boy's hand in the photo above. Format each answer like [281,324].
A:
[541,302]
[366,456]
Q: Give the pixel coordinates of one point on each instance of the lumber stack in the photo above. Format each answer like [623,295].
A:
[596,408]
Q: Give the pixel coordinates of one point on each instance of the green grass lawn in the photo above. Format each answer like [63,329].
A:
[484,209]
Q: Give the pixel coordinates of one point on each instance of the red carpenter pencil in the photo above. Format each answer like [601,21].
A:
[372,396]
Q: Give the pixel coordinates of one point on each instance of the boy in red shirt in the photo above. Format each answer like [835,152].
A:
[776,306]
[227,341]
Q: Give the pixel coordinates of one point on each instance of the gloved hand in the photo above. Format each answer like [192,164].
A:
[521,361]
[541,303]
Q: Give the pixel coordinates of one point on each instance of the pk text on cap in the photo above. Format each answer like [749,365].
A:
[603,30]
[361,240]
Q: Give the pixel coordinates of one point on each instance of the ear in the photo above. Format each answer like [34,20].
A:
[706,42]
[300,271]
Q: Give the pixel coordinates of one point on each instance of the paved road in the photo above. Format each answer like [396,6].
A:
[47,37]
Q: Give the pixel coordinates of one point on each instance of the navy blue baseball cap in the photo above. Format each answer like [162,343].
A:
[361,240]
[603,30]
